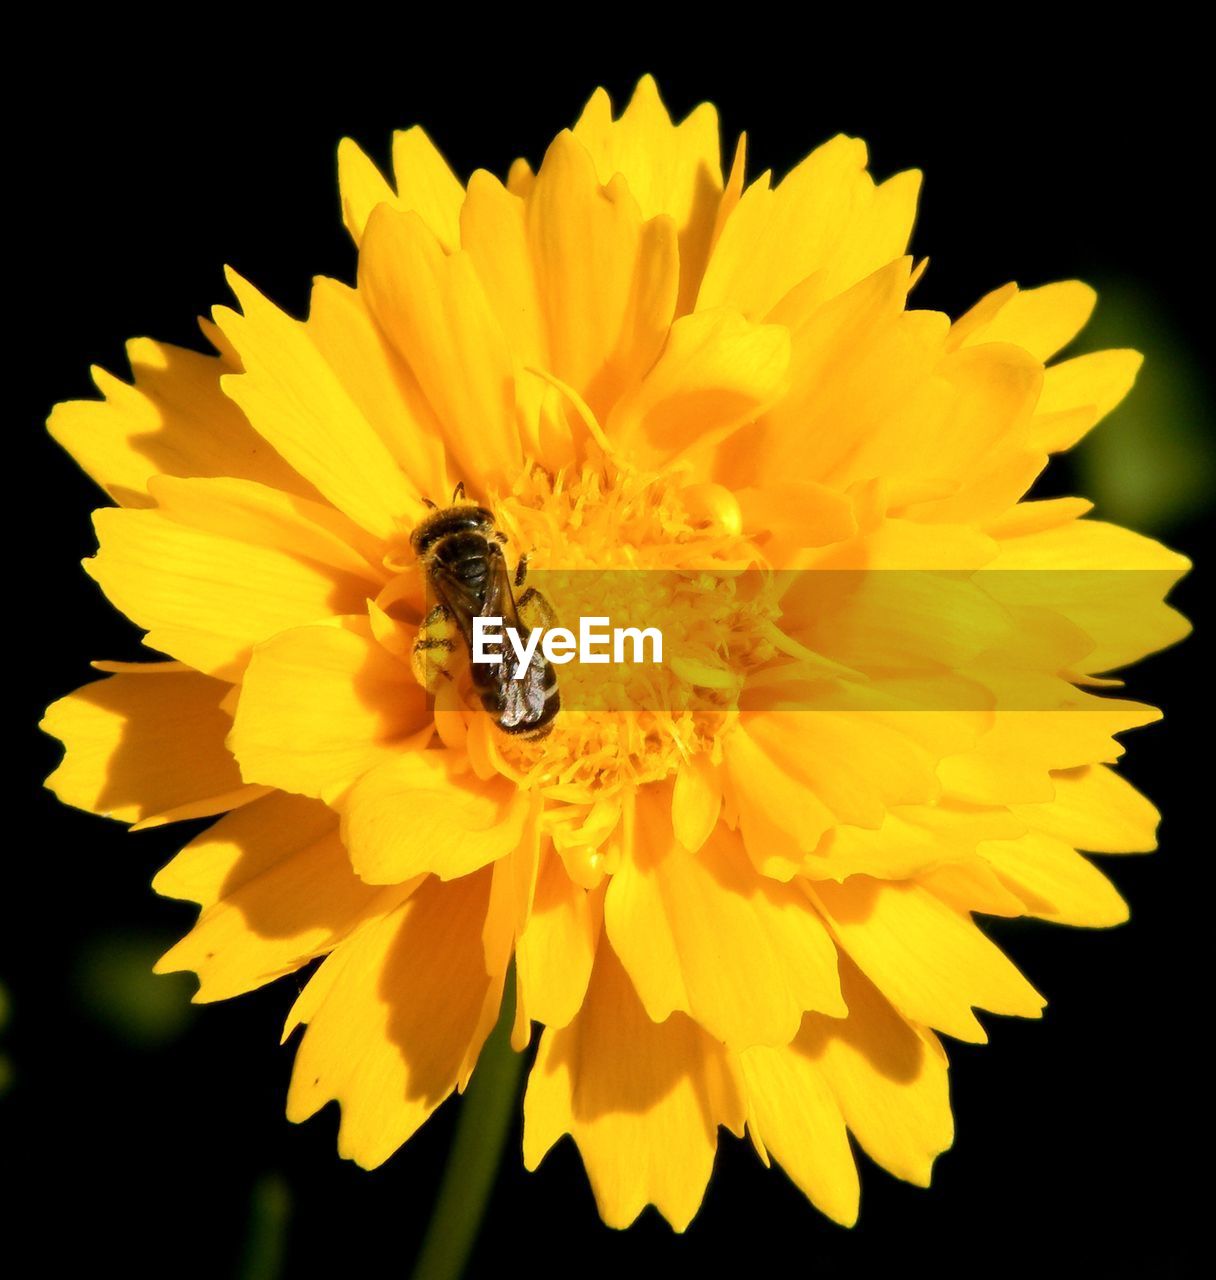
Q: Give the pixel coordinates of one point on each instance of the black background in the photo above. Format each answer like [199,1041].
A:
[141,161]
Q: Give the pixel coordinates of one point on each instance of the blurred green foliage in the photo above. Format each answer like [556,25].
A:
[266,1243]
[115,984]
[1150,464]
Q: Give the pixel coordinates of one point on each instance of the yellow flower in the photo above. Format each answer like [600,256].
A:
[724,909]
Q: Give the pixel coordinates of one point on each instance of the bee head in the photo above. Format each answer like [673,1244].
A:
[447,521]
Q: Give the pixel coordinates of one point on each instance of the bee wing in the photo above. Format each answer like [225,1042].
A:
[499,600]
[462,600]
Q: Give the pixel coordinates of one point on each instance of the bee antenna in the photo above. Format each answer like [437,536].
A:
[458,492]
[431,506]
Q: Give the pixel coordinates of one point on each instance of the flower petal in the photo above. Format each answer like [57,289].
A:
[696,801]
[928,959]
[362,187]
[793,1112]
[433,309]
[1055,882]
[297,403]
[673,917]
[398,1012]
[1040,320]
[788,797]
[606,277]
[557,947]
[147,747]
[669,168]
[380,383]
[1013,763]
[320,706]
[253,513]
[424,812]
[884,1078]
[717,372]
[494,233]
[912,839]
[174,421]
[1107,581]
[276,889]
[825,216]
[1095,809]
[643,1101]
[207,598]
[425,185]
[1079,393]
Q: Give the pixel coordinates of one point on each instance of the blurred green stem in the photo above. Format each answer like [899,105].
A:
[266,1244]
[486,1111]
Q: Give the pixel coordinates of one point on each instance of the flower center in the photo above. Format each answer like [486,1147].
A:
[641,550]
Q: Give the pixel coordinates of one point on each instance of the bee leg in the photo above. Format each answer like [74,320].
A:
[434,648]
[521,569]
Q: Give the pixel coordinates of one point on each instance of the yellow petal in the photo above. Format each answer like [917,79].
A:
[1107,581]
[983,438]
[434,310]
[928,959]
[556,949]
[174,420]
[888,1078]
[423,811]
[1080,392]
[789,797]
[253,513]
[972,885]
[493,231]
[426,185]
[607,278]
[144,746]
[1031,517]
[207,598]
[669,168]
[717,372]
[298,404]
[643,1101]
[696,801]
[911,839]
[673,917]
[362,187]
[764,796]
[871,1070]
[793,1112]
[1055,882]
[1040,320]
[398,1012]
[276,889]
[878,234]
[1095,809]
[789,516]
[1013,762]
[859,369]
[320,706]
[381,384]
[825,216]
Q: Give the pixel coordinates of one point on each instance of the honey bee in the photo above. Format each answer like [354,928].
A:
[461,552]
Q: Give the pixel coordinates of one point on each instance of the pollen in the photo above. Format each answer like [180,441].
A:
[641,549]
